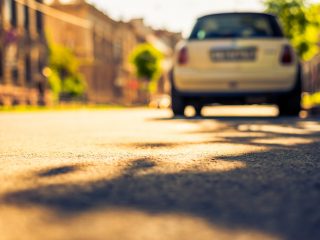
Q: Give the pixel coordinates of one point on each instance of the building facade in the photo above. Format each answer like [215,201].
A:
[124,42]
[103,47]
[91,40]
[23,53]
[165,42]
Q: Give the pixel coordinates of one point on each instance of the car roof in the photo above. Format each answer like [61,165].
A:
[231,13]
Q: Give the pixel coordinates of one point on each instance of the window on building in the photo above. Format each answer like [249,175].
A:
[27,64]
[1,67]
[26,18]
[13,10]
[15,75]
[39,22]
[41,61]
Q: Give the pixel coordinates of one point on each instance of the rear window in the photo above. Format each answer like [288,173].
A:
[236,25]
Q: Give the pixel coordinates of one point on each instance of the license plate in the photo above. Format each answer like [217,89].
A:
[241,54]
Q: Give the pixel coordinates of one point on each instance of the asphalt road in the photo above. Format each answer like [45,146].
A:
[239,173]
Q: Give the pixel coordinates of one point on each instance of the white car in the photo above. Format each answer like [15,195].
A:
[236,58]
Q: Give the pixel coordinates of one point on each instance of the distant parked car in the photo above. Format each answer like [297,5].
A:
[236,58]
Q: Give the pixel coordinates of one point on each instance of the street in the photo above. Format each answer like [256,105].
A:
[238,173]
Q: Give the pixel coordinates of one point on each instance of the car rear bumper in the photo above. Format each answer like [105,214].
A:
[273,80]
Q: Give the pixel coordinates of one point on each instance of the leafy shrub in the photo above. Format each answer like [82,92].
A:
[65,79]
[146,60]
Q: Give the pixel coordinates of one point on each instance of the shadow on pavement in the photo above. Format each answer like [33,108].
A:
[278,190]
[57,171]
[231,118]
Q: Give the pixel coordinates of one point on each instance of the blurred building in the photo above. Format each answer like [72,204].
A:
[103,47]
[164,41]
[170,39]
[124,42]
[91,38]
[23,53]
[127,36]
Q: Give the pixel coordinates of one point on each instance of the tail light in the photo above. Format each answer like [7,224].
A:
[287,55]
[183,56]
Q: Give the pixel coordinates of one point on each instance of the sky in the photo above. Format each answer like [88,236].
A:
[174,15]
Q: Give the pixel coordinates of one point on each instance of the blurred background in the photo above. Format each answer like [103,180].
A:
[120,52]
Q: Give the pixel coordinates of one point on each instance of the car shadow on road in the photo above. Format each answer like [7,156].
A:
[277,191]
[221,118]
[231,118]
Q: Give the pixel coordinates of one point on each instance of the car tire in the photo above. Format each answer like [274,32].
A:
[290,104]
[198,109]
[178,104]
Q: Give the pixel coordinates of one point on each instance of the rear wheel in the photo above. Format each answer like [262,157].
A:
[290,104]
[178,104]
[198,108]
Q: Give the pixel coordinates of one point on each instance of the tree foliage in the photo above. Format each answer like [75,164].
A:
[65,79]
[301,24]
[147,61]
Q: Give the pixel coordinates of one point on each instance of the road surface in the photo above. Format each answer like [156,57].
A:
[239,173]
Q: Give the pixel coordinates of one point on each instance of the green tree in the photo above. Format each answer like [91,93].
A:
[147,61]
[300,23]
[64,78]
[312,33]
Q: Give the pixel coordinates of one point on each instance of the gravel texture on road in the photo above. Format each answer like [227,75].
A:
[239,173]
